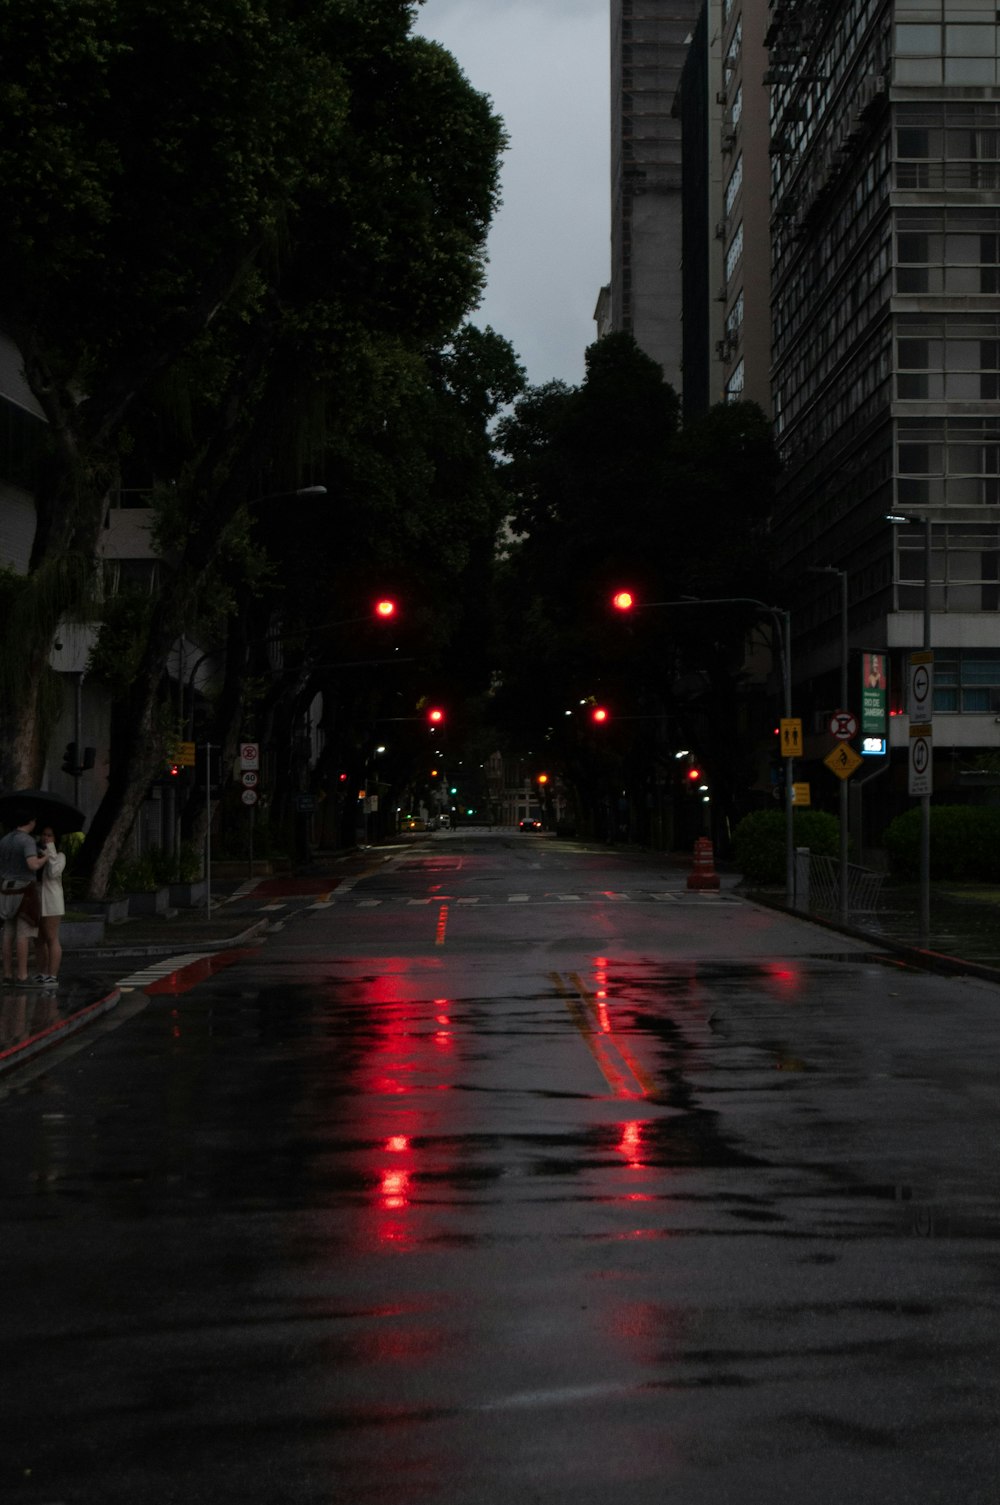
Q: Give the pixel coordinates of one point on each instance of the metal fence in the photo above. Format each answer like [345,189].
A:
[818,885]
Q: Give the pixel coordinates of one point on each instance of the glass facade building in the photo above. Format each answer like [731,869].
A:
[885,246]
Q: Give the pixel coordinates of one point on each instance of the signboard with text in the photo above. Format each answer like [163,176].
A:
[874,694]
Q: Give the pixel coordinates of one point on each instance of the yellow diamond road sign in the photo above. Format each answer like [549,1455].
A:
[843,760]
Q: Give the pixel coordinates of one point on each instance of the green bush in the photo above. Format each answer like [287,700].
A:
[132,876]
[759,841]
[965,842]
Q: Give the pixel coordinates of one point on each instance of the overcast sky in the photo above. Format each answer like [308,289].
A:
[544,65]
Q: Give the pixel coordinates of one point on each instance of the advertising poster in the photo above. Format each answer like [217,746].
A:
[874,694]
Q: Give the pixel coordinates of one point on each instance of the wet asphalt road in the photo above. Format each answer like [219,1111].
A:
[511,1172]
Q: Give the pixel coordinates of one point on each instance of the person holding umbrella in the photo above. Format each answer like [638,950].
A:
[48,947]
[20,860]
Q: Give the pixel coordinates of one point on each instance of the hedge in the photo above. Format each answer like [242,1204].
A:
[759,841]
[965,842]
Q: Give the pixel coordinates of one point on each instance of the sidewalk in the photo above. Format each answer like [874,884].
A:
[93,978]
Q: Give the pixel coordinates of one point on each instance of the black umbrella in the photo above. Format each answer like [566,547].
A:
[48,810]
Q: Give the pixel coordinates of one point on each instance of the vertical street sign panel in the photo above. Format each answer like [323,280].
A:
[921,769]
[791,736]
[921,700]
[874,694]
[249,755]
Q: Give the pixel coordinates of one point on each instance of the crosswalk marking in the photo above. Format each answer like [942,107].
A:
[590,896]
[156,970]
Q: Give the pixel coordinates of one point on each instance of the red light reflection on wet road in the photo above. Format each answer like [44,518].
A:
[409,1051]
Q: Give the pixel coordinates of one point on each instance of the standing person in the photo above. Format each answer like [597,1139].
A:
[48,948]
[20,860]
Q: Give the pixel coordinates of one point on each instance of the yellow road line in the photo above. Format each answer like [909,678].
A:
[597,1042]
[643,1078]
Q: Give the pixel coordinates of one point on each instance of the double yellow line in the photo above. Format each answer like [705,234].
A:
[589,1013]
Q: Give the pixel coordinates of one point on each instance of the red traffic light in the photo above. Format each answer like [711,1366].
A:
[435,716]
[543,778]
[694,774]
[623,600]
[385,608]
[599,714]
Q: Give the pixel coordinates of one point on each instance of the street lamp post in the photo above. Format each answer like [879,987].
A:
[843,908]
[625,601]
[924,910]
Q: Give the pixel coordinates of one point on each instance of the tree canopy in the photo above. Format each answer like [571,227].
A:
[236,233]
[608,492]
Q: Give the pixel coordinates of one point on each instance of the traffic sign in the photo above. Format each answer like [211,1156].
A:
[249,796]
[843,760]
[250,777]
[921,768]
[922,685]
[184,754]
[249,754]
[844,725]
[801,794]
[791,736]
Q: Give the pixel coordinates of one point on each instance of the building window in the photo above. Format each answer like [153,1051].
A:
[735,184]
[967,681]
[734,318]
[734,386]
[735,251]
[955,359]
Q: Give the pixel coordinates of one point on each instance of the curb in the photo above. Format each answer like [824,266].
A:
[53,1034]
[931,961]
[164,948]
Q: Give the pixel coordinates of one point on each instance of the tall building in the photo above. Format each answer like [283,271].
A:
[649,40]
[723,109]
[885,123]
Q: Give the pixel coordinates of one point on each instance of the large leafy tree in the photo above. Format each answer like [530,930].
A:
[222,218]
[608,492]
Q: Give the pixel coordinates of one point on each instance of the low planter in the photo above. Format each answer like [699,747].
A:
[155,902]
[188,895]
[78,934]
[111,911]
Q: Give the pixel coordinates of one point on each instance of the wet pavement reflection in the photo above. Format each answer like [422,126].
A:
[575,1221]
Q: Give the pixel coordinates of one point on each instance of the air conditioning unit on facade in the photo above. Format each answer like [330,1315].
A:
[720,230]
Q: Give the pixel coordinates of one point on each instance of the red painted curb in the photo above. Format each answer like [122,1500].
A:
[22,1050]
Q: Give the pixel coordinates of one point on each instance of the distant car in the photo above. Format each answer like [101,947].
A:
[531,825]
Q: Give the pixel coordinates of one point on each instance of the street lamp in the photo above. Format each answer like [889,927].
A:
[830,569]
[924,917]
